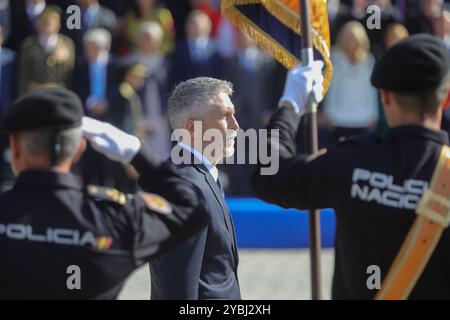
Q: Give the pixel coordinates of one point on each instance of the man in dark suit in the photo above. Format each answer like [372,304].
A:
[24,14]
[196,55]
[7,95]
[97,85]
[203,267]
[250,71]
[95,75]
[93,16]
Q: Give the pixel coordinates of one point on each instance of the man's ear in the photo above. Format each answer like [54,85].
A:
[80,151]
[189,126]
[385,97]
[14,146]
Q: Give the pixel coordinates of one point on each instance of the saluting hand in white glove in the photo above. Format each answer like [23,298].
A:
[110,141]
[301,82]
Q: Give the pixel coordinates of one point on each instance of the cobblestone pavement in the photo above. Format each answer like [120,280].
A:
[263,275]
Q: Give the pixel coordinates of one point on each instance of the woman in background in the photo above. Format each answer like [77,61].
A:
[148,11]
[351,105]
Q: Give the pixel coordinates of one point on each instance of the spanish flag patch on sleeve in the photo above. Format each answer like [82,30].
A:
[156,203]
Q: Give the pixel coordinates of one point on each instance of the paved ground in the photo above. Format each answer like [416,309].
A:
[263,274]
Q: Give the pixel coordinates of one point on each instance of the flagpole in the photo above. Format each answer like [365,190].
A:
[311,137]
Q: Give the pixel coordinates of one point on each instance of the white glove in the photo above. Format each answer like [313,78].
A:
[301,82]
[110,141]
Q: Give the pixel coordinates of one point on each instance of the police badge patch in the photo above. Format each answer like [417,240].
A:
[156,203]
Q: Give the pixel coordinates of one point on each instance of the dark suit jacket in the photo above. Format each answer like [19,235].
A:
[82,83]
[105,18]
[205,266]
[21,26]
[184,67]
[7,96]
[250,107]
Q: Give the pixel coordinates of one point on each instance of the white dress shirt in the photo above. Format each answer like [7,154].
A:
[211,168]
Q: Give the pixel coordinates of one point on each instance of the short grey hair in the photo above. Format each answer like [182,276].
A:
[40,142]
[189,98]
[152,29]
[100,36]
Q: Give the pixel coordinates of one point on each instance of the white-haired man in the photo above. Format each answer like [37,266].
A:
[205,266]
[155,125]
[97,87]
[95,73]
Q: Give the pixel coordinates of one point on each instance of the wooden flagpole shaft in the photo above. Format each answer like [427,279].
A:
[311,137]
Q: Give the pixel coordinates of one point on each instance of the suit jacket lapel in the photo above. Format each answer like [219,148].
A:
[226,212]
[215,188]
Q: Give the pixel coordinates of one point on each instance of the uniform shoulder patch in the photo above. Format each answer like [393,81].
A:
[107,194]
[156,203]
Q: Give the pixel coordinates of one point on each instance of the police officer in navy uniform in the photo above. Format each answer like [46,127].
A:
[59,239]
[373,184]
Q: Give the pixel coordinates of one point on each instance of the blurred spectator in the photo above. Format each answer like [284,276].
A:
[93,16]
[251,72]
[402,8]
[334,7]
[196,55]
[441,27]
[24,15]
[96,84]
[351,105]
[127,109]
[429,11]
[7,93]
[393,34]
[48,57]
[63,4]
[154,124]
[358,12]
[146,11]
[212,9]
[5,19]
[227,39]
[119,7]
[127,114]
[95,74]
[180,11]
[7,74]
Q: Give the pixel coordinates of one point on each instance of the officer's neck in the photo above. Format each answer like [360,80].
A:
[44,165]
[432,122]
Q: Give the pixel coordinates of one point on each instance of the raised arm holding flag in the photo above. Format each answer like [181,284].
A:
[293,32]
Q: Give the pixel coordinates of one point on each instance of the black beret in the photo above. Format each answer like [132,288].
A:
[45,108]
[415,64]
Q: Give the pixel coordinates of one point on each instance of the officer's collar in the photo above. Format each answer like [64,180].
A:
[440,136]
[45,178]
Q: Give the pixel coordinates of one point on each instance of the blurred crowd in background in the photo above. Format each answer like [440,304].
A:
[128,55]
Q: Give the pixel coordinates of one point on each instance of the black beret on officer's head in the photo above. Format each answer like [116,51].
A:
[46,108]
[414,65]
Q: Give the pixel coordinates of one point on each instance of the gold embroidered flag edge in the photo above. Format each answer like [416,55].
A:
[287,12]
